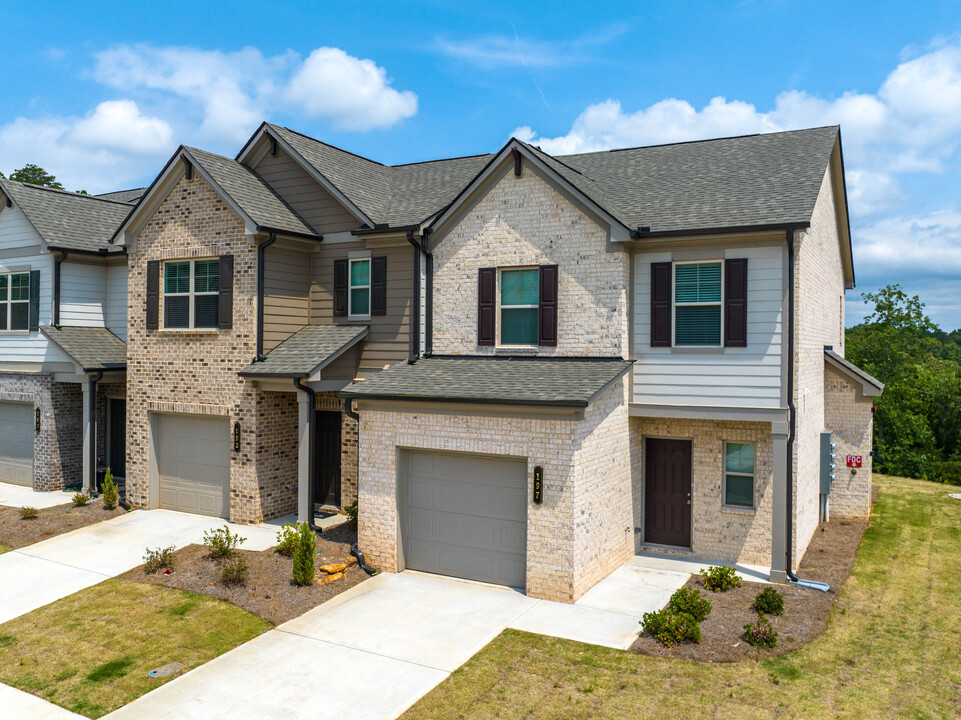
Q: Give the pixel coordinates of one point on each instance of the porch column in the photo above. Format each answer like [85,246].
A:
[779,506]
[88,459]
[304,511]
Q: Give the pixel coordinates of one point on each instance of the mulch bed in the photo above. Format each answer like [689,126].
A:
[16,532]
[829,558]
[269,591]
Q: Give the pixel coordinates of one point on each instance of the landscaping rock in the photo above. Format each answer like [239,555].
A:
[351,561]
[333,568]
[330,578]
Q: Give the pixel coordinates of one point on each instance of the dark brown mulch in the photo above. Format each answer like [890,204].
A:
[269,591]
[16,532]
[829,558]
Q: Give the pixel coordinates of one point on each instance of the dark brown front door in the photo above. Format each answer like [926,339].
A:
[667,500]
[327,462]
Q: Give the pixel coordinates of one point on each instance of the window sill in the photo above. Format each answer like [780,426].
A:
[697,350]
[188,331]
[14,333]
[358,318]
[516,350]
[738,510]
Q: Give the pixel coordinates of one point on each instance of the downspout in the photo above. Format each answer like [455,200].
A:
[56,287]
[429,310]
[93,430]
[354,549]
[311,449]
[414,323]
[260,294]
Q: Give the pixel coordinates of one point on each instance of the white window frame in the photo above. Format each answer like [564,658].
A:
[10,302]
[500,317]
[191,293]
[351,287]
[675,304]
[725,473]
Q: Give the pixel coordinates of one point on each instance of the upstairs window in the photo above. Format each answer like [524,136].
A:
[519,306]
[697,303]
[192,294]
[15,301]
[739,475]
[359,295]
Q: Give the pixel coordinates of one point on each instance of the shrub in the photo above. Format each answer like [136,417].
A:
[28,513]
[109,491]
[287,539]
[670,628]
[689,600]
[159,559]
[760,633]
[80,499]
[768,601]
[304,556]
[222,542]
[719,578]
[351,512]
[234,571]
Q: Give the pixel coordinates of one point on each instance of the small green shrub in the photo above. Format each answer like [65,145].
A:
[28,513]
[222,542]
[304,556]
[109,491]
[689,600]
[671,628]
[80,499]
[760,633]
[287,539]
[351,512]
[769,601]
[719,578]
[234,571]
[159,559]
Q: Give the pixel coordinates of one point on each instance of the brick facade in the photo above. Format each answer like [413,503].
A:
[847,414]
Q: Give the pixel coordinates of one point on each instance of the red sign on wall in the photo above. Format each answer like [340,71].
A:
[854,461]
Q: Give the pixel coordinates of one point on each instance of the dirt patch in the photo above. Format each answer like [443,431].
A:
[16,532]
[829,558]
[269,591]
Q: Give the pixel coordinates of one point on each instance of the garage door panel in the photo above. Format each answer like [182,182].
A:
[16,443]
[193,458]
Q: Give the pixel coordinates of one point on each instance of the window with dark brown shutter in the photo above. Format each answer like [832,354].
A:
[547,307]
[661,304]
[34,312]
[340,287]
[153,294]
[486,291]
[735,302]
[378,285]
[226,291]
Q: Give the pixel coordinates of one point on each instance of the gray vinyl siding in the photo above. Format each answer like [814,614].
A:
[304,194]
[286,294]
[734,377]
[83,294]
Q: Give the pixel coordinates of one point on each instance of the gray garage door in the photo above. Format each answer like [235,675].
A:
[193,459]
[466,515]
[16,443]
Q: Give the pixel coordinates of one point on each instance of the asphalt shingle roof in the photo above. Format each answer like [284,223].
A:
[254,196]
[571,382]
[131,196]
[68,220]
[853,371]
[303,351]
[94,348]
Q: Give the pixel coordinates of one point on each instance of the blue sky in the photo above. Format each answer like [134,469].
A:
[101,93]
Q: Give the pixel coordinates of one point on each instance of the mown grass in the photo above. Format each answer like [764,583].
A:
[90,652]
[4,548]
[890,648]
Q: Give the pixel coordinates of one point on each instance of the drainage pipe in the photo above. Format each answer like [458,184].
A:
[429,310]
[311,450]
[415,305]
[260,294]
[355,551]
[62,255]
[98,376]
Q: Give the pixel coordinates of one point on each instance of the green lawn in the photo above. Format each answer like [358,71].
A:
[892,647]
[4,548]
[90,652]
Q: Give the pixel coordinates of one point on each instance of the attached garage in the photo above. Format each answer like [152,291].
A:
[465,515]
[16,443]
[193,463]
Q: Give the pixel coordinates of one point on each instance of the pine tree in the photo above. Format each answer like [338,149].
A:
[304,556]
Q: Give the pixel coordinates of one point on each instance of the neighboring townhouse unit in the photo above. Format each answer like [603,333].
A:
[63,320]
[524,368]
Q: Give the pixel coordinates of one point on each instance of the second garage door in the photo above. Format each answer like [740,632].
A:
[466,516]
[16,443]
[193,462]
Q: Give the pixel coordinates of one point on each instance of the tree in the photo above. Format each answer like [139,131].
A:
[35,175]
[304,556]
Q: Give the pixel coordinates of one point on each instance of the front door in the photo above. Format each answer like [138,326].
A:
[118,438]
[667,499]
[327,462]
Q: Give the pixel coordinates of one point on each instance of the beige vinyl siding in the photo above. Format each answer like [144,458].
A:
[388,340]
[286,294]
[305,195]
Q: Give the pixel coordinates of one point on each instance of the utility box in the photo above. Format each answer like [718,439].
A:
[828,462]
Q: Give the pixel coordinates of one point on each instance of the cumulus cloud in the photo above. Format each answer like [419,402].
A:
[119,125]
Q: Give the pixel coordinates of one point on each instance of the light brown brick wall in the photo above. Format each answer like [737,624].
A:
[848,416]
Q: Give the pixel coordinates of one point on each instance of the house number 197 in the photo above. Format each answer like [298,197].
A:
[538,484]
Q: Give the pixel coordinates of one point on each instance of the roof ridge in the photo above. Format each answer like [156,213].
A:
[68,193]
[325,144]
[437,160]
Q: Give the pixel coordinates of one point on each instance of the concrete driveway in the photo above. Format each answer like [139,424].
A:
[41,573]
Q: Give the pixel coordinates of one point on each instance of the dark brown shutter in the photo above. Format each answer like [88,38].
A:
[34,311]
[378,285]
[486,290]
[661,283]
[735,302]
[226,292]
[340,286]
[547,307]
[153,294]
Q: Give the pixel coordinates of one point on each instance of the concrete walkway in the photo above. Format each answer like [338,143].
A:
[19,496]
[19,705]
[693,566]
[41,573]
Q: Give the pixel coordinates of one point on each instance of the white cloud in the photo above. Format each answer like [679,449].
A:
[928,245]
[119,125]
[353,94]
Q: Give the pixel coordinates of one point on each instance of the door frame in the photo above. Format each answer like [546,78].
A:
[644,540]
[340,465]
[109,438]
